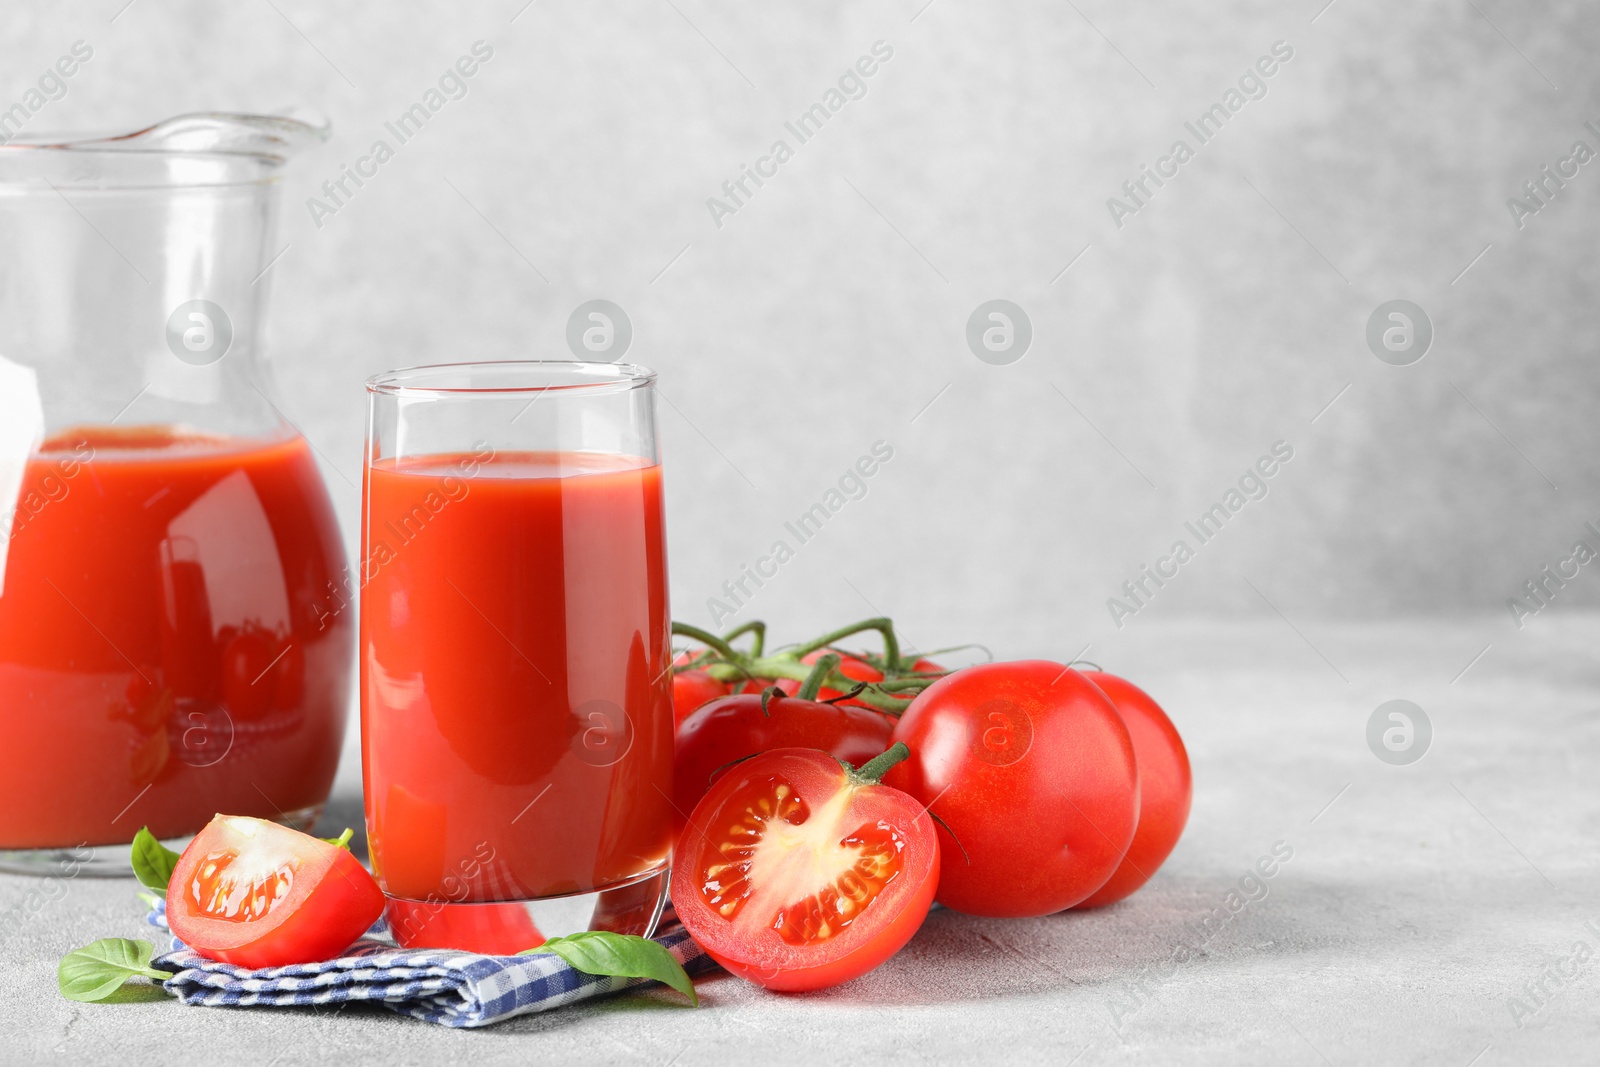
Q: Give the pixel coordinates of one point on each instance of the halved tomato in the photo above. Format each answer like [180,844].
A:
[796,872]
[256,894]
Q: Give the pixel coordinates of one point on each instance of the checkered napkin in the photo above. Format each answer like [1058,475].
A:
[461,989]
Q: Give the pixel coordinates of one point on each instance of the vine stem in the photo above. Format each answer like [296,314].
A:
[754,626]
[705,637]
[819,670]
[883,624]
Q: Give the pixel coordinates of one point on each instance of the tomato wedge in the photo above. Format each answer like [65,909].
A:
[798,873]
[256,894]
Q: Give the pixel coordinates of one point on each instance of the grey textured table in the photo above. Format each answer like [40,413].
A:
[1420,903]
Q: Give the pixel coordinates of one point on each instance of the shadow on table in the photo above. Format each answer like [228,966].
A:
[957,957]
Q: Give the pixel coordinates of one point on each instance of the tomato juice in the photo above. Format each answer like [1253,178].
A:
[516,702]
[161,658]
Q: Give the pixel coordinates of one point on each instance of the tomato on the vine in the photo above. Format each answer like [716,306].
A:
[256,894]
[1031,769]
[1165,787]
[692,688]
[725,731]
[796,873]
[851,666]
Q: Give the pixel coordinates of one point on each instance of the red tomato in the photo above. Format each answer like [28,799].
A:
[1165,787]
[691,690]
[734,727]
[1030,766]
[245,660]
[490,929]
[256,894]
[796,874]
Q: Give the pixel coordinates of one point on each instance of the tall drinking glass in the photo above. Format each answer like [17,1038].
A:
[516,718]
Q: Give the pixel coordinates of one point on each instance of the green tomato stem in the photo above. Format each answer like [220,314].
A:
[874,769]
[710,640]
[754,626]
[821,669]
[883,624]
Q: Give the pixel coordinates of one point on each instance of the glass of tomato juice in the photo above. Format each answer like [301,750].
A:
[516,702]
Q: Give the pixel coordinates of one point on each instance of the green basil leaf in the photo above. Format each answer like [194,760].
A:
[97,970]
[624,955]
[343,840]
[152,861]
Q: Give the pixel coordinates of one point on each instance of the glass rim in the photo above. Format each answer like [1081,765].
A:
[423,381]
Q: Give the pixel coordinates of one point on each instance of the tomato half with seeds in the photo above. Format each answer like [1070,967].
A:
[796,873]
[1165,787]
[256,894]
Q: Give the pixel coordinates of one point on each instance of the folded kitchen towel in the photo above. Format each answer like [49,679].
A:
[462,989]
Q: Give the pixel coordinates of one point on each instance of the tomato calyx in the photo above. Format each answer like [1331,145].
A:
[872,771]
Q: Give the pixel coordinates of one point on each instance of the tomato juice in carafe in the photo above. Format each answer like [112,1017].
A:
[167,545]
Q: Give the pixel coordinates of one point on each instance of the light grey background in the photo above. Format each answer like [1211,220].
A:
[830,310]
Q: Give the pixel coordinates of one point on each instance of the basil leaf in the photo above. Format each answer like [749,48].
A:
[152,861]
[97,970]
[343,840]
[623,955]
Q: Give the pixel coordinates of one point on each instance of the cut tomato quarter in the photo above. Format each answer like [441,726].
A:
[256,894]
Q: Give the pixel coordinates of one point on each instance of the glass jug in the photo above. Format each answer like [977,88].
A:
[172,639]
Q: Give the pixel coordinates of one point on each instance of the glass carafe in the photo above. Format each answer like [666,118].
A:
[173,642]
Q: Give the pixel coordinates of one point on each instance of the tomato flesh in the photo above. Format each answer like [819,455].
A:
[256,894]
[776,844]
[796,876]
[225,888]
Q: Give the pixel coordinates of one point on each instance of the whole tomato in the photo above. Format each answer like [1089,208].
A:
[1031,769]
[734,727]
[1165,787]
[692,688]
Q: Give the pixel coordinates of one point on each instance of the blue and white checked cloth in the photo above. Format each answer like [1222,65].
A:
[461,989]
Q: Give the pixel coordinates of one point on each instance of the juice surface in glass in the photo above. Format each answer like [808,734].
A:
[165,648]
[517,725]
